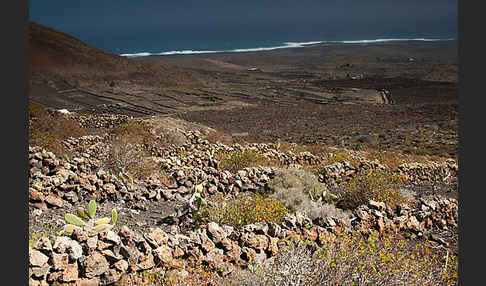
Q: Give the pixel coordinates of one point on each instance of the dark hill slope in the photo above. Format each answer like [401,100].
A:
[57,56]
[52,50]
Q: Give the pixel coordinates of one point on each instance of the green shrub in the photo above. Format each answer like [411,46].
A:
[300,190]
[377,185]
[245,210]
[237,160]
[296,181]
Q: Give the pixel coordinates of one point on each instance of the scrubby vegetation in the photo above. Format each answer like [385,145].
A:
[355,260]
[300,190]
[296,181]
[237,160]
[377,185]
[129,151]
[245,210]
[48,129]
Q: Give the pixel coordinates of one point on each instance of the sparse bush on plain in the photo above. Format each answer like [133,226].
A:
[377,185]
[126,157]
[355,260]
[128,151]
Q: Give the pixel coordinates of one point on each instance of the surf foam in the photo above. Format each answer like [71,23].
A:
[284,46]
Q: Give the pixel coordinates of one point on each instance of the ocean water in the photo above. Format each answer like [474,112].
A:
[162,42]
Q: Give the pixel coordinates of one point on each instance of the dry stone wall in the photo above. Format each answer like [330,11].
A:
[98,259]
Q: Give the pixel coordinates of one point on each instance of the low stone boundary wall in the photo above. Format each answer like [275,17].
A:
[98,259]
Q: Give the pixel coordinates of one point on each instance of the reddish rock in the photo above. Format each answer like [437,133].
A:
[43,243]
[381,225]
[273,245]
[248,254]
[214,256]
[37,258]
[40,205]
[215,232]
[92,242]
[40,272]
[168,181]
[146,263]
[35,195]
[59,261]
[206,243]
[103,245]
[163,254]
[121,265]
[54,200]
[166,193]
[109,188]
[111,276]
[54,276]
[310,234]
[178,252]
[111,237]
[156,237]
[126,233]
[88,282]
[94,265]
[227,244]
[111,256]
[70,273]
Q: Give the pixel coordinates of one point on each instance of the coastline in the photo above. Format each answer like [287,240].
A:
[284,45]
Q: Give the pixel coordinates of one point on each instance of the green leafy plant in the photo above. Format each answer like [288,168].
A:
[92,225]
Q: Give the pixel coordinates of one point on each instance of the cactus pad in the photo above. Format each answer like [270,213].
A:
[72,219]
[104,220]
[102,227]
[114,216]
[92,208]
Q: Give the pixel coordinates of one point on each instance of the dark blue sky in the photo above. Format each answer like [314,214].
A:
[118,20]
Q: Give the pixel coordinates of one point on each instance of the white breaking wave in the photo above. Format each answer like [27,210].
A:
[284,46]
[186,52]
[136,55]
[390,40]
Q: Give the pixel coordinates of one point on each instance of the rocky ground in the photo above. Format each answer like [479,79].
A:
[317,108]
[60,185]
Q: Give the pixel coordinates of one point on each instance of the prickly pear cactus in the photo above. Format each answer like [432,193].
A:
[92,225]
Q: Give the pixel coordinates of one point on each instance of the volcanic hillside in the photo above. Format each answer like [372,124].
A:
[51,50]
